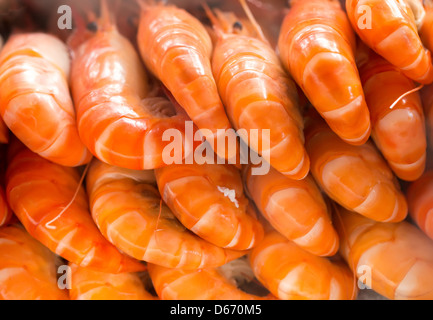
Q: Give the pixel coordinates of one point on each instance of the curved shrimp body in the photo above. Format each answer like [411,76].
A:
[117,120]
[389,26]
[215,207]
[258,95]
[203,284]
[35,102]
[398,255]
[128,210]
[420,201]
[291,273]
[357,177]
[317,46]
[399,133]
[296,209]
[88,284]
[39,193]
[177,49]
[27,268]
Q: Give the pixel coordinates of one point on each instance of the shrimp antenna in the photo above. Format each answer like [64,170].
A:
[157,220]
[253,20]
[81,31]
[80,23]
[213,19]
[406,94]
[145,4]
[80,183]
[105,16]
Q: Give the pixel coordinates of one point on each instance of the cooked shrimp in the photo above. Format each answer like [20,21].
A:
[357,177]
[204,284]
[42,196]
[317,47]
[176,48]
[291,273]
[117,119]
[258,95]
[88,284]
[294,208]
[420,202]
[27,268]
[35,102]
[387,27]
[215,207]
[129,211]
[397,256]
[398,129]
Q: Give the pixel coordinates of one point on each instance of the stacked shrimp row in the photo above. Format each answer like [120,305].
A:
[88,190]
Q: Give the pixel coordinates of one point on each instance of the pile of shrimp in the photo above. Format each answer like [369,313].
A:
[335,96]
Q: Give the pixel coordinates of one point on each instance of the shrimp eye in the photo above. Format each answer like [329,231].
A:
[237,26]
[92,26]
[132,21]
